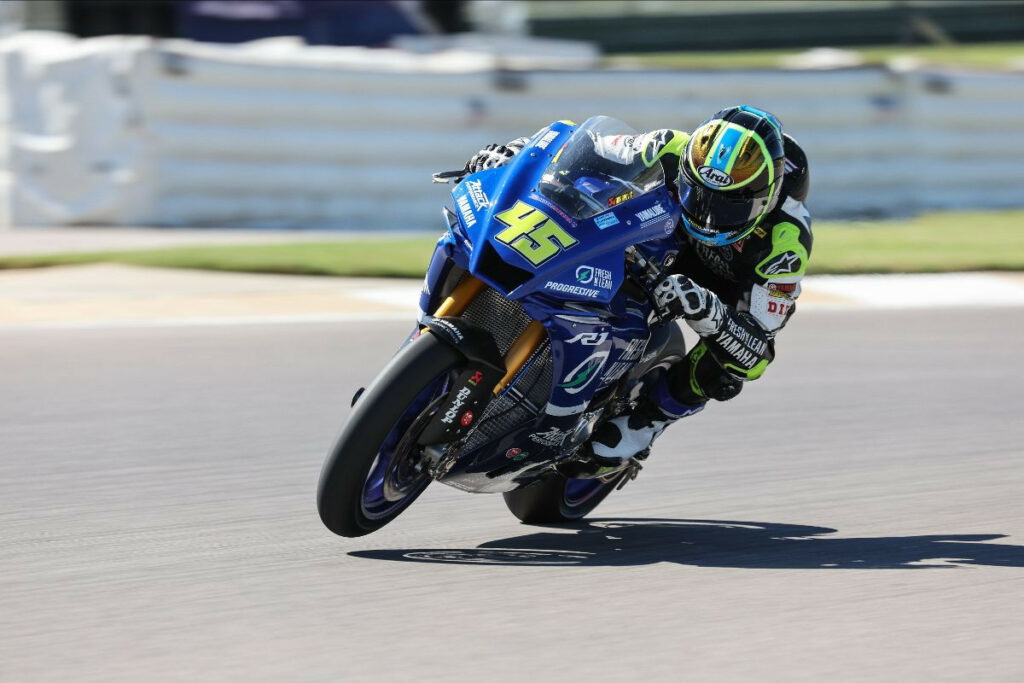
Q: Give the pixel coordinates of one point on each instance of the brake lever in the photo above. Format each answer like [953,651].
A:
[444,177]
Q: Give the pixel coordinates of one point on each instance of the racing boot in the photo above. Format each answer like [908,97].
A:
[628,436]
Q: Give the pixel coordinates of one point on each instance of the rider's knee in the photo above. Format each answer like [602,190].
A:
[699,378]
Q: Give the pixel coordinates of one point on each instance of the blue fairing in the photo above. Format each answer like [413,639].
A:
[597,332]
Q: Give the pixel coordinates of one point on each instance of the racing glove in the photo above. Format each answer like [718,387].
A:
[681,297]
[493,156]
[736,341]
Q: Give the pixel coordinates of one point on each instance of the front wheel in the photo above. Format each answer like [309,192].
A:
[556,499]
[372,473]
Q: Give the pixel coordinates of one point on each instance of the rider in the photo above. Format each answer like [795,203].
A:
[744,236]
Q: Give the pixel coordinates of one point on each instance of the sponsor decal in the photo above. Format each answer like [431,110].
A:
[467,213]
[760,232]
[785,292]
[476,193]
[516,454]
[453,411]
[561,411]
[599,277]
[466,419]
[583,374]
[741,344]
[782,264]
[615,371]
[571,289]
[476,378]
[552,438]
[624,197]
[788,288]
[449,328]
[655,216]
[547,139]
[779,307]
[634,350]
[717,259]
[653,212]
[605,220]
[715,177]
[589,338]
[554,207]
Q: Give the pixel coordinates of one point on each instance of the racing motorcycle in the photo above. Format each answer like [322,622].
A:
[536,324]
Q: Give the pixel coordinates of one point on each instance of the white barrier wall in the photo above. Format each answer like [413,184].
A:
[134,131]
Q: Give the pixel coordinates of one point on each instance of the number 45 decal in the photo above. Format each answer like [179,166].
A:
[532,234]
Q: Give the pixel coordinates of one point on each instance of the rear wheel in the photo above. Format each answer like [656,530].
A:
[556,498]
[373,471]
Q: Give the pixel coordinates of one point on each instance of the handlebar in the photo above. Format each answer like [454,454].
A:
[648,275]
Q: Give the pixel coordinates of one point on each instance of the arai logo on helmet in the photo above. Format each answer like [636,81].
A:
[713,176]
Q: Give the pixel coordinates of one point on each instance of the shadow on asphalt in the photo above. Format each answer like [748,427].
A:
[716,543]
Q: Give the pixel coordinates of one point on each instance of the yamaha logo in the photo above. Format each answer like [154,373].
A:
[712,176]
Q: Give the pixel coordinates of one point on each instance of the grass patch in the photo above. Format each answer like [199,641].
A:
[978,55]
[938,242]
[404,257]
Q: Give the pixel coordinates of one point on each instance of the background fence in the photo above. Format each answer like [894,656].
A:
[121,130]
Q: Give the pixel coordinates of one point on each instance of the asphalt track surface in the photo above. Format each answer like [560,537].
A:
[857,514]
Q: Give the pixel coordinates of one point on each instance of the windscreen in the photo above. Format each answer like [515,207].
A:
[598,168]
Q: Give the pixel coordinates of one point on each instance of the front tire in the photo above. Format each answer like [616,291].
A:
[363,485]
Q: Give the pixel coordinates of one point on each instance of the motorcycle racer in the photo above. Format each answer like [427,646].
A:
[745,238]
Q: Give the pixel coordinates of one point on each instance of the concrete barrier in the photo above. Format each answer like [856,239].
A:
[135,131]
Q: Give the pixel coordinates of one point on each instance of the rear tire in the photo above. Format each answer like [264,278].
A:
[556,499]
[349,503]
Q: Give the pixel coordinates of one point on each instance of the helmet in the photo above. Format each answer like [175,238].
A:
[730,174]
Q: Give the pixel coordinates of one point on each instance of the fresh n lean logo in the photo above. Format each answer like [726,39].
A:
[584,275]
[583,374]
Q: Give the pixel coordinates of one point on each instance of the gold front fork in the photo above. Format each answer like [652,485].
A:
[522,348]
[461,297]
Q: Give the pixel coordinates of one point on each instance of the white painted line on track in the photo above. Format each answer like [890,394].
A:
[398,300]
[926,290]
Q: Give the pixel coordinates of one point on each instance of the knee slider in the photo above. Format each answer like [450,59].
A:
[712,379]
[700,377]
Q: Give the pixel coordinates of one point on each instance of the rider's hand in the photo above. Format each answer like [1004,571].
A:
[680,297]
[491,156]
